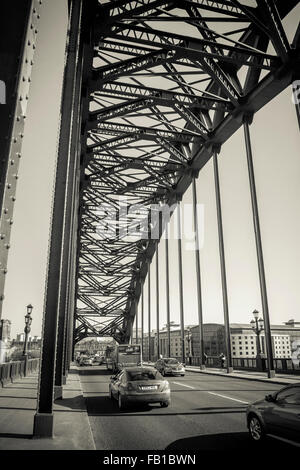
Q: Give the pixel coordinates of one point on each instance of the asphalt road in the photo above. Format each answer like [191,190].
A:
[207,413]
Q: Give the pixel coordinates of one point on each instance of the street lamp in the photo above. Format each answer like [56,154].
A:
[27,329]
[189,340]
[257,325]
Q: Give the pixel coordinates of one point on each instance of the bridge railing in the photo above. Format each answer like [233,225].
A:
[9,371]
[282,365]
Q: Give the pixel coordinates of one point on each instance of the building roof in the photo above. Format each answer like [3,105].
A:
[273,327]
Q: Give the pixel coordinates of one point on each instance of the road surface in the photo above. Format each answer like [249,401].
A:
[207,412]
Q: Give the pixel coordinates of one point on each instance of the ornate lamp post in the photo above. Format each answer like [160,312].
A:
[257,325]
[189,340]
[27,329]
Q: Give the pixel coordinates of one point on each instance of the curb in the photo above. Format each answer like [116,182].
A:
[88,420]
[257,379]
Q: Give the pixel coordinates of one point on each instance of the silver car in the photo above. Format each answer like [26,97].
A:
[170,366]
[85,361]
[139,385]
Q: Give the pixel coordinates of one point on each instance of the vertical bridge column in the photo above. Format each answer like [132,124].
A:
[216,150]
[43,419]
[149,311]
[168,290]
[157,302]
[65,313]
[180,285]
[136,326]
[198,277]
[142,321]
[259,251]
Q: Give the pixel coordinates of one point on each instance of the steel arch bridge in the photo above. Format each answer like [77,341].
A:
[152,90]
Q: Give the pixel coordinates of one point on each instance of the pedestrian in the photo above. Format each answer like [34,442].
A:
[222,360]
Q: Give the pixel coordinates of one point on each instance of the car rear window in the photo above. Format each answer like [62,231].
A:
[171,361]
[144,375]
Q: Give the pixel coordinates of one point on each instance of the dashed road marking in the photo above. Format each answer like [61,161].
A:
[188,386]
[228,398]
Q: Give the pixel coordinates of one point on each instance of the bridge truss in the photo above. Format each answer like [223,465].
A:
[152,90]
[168,82]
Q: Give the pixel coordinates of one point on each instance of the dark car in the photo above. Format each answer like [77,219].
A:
[169,365]
[278,414]
[139,385]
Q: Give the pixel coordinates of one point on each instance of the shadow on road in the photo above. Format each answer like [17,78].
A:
[104,406]
[227,441]
[74,403]
[95,371]
[15,436]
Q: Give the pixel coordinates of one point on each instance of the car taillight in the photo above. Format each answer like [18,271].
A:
[164,386]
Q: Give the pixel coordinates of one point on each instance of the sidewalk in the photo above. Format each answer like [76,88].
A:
[17,409]
[284,379]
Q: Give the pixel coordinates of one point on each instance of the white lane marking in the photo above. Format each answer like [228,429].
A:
[228,398]
[188,386]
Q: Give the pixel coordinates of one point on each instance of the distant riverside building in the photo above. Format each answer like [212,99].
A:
[5,329]
[34,342]
[214,339]
[175,343]
[243,340]
[92,346]
[146,345]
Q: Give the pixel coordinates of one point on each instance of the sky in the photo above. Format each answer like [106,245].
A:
[275,143]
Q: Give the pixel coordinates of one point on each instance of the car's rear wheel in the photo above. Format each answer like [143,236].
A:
[120,402]
[256,430]
[164,404]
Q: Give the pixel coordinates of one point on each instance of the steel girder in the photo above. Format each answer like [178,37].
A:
[18,37]
[170,80]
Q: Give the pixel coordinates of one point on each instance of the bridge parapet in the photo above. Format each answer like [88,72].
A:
[282,365]
[9,371]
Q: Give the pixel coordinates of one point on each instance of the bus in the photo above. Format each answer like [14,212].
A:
[123,355]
